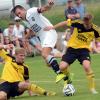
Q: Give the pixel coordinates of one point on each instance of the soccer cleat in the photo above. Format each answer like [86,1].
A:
[50,93]
[60,77]
[93,91]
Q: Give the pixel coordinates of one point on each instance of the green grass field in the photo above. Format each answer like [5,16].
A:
[45,77]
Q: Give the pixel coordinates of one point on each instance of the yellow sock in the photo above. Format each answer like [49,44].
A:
[36,89]
[67,73]
[91,79]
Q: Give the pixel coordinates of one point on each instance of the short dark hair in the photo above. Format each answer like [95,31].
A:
[17,6]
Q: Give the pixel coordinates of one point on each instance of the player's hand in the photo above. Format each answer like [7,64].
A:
[9,46]
[48,28]
[51,2]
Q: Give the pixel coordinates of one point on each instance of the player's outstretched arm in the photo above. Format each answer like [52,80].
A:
[47,7]
[61,24]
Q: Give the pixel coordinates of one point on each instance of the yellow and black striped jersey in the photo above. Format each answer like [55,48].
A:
[82,37]
[13,71]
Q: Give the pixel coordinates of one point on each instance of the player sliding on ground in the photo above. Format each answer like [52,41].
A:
[83,33]
[15,76]
[36,22]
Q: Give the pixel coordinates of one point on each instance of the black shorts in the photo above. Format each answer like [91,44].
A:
[10,88]
[72,54]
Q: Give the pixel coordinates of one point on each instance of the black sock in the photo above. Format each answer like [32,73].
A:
[69,81]
[54,64]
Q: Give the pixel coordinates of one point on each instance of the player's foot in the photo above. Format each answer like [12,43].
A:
[50,94]
[93,91]
[60,77]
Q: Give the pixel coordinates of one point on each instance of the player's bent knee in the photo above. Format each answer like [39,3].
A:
[63,65]
[3,96]
[44,55]
[24,85]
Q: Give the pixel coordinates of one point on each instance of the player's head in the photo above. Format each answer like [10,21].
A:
[20,55]
[19,11]
[87,19]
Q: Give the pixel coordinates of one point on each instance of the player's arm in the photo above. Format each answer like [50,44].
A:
[96,32]
[29,91]
[26,78]
[3,53]
[61,24]
[46,7]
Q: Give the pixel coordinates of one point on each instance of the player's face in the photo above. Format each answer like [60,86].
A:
[20,58]
[20,13]
[87,22]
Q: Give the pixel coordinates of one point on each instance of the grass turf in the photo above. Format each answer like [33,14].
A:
[45,77]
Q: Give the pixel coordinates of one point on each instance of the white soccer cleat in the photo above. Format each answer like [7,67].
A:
[93,91]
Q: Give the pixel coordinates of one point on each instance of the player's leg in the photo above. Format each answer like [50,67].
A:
[64,67]
[34,88]
[84,59]
[52,62]
[90,75]
[48,41]
[4,91]
[3,95]
[68,58]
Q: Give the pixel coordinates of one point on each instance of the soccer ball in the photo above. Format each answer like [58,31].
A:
[68,90]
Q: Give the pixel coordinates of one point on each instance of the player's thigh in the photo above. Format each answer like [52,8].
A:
[23,86]
[70,56]
[84,56]
[46,51]
[5,88]
[15,90]
[48,39]
[63,65]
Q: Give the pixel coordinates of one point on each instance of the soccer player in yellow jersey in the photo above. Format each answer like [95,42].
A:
[15,76]
[83,33]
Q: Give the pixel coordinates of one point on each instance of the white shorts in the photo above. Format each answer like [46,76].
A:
[48,38]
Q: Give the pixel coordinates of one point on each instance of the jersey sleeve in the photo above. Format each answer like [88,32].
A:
[75,23]
[96,32]
[26,73]
[32,10]
[4,55]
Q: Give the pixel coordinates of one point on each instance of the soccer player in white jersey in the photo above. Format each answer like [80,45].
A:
[37,22]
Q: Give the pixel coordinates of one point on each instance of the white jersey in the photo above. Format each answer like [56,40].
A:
[37,22]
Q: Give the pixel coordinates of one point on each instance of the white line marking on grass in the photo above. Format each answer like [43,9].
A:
[54,81]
